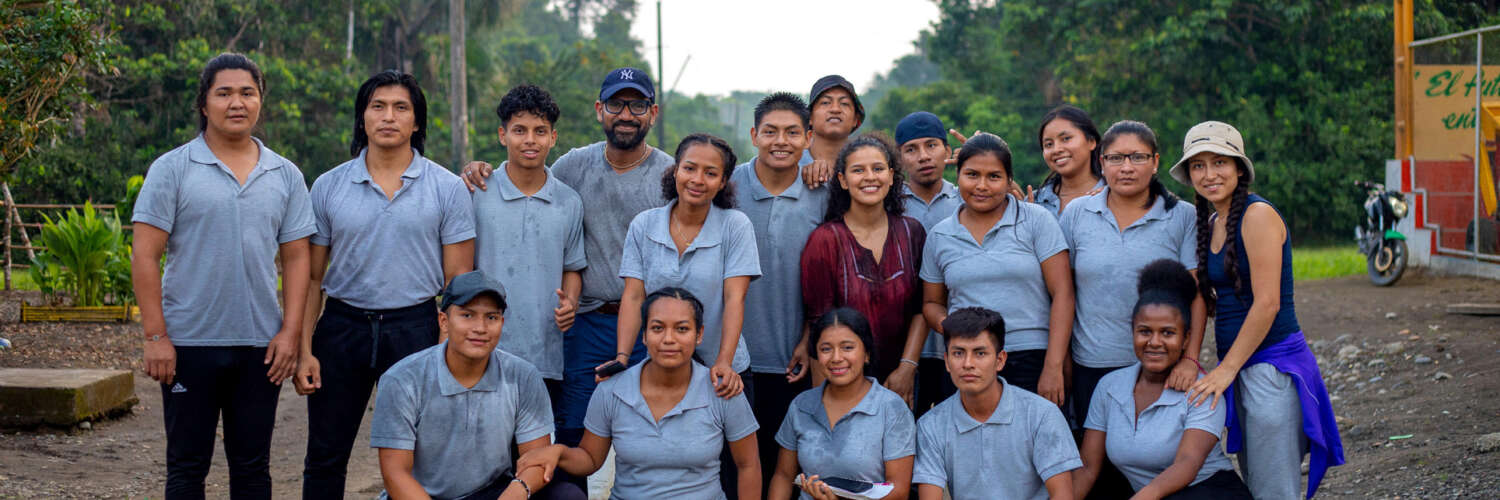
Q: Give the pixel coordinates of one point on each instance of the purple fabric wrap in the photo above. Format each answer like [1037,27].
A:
[1292,357]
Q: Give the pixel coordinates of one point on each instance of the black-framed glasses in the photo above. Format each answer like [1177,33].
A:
[1119,159]
[637,107]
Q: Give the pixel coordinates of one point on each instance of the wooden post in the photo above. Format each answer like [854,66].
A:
[458,87]
[1403,68]
[14,212]
[8,208]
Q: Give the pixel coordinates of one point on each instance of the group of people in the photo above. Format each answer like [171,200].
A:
[904,336]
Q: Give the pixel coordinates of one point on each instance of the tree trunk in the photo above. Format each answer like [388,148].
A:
[458,88]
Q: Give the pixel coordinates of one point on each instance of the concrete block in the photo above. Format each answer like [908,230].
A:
[64,397]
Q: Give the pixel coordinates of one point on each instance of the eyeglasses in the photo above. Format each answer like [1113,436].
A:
[637,107]
[1135,158]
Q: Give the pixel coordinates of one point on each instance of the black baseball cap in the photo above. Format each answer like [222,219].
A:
[627,78]
[831,81]
[465,287]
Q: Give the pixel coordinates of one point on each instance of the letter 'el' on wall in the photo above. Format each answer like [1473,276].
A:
[1443,109]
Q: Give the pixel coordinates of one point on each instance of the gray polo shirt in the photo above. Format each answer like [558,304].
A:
[1004,273]
[943,206]
[773,305]
[526,243]
[1046,198]
[1106,264]
[1143,446]
[1011,455]
[878,429]
[388,253]
[723,249]
[219,286]
[461,436]
[677,456]
[613,200]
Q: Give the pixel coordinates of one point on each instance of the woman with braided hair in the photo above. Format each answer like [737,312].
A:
[1266,373]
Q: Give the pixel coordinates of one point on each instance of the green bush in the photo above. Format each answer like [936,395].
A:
[85,256]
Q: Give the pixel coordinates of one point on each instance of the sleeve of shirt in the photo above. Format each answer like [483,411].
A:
[741,256]
[394,424]
[573,254]
[1187,251]
[819,285]
[1046,237]
[318,197]
[786,436]
[297,221]
[900,437]
[534,414]
[156,204]
[931,448]
[458,213]
[931,271]
[1098,417]
[1205,419]
[739,421]
[1052,448]
[632,258]
[601,412]
[1067,222]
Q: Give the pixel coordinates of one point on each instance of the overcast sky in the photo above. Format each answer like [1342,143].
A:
[773,44]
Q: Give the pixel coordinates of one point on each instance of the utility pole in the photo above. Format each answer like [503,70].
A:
[458,87]
[661,78]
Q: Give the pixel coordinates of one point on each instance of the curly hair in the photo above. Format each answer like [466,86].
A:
[838,196]
[530,99]
[725,197]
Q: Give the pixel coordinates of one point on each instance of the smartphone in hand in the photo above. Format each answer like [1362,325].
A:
[610,368]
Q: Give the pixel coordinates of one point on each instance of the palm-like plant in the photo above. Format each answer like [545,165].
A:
[82,244]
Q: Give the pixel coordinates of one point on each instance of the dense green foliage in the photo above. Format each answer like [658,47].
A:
[85,256]
[1308,82]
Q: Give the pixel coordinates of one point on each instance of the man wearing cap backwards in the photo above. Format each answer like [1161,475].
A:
[446,416]
[836,114]
[617,179]
[923,145]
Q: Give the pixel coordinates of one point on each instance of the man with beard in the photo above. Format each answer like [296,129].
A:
[617,178]
[836,114]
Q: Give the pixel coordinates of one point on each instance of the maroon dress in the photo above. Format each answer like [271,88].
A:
[838,272]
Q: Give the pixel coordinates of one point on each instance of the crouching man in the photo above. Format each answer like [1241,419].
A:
[446,417]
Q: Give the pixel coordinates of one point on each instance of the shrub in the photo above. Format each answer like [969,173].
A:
[81,256]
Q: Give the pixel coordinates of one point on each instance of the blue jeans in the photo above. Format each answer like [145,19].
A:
[589,343]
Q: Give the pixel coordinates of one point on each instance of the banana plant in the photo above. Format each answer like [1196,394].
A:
[83,243]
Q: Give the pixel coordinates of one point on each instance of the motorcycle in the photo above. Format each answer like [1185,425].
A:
[1383,246]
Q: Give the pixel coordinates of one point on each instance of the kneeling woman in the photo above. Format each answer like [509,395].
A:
[1160,442]
[666,423]
[871,437]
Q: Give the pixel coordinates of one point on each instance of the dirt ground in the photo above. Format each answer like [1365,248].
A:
[1395,363]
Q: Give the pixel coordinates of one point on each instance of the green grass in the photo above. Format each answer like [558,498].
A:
[1318,262]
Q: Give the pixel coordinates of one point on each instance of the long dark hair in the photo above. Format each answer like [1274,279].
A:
[1237,203]
[221,62]
[1081,120]
[1144,133]
[838,196]
[725,196]
[362,101]
[849,318]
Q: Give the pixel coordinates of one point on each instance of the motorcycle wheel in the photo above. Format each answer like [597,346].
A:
[1388,263]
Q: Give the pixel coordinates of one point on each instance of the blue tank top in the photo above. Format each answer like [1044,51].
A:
[1232,307]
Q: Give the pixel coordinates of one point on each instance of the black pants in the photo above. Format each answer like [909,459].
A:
[773,398]
[1024,368]
[552,491]
[354,347]
[1223,485]
[729,474]
[211,381]
[1110,483]
[555,392]
[933,384]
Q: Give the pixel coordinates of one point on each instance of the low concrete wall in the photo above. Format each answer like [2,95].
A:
[32,396]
